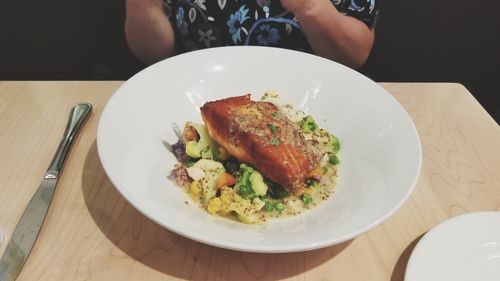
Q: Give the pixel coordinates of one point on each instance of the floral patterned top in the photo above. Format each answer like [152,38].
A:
[211,23]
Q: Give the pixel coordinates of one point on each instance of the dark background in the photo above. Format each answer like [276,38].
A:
[416,41]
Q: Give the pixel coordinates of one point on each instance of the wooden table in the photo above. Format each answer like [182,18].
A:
[92,233]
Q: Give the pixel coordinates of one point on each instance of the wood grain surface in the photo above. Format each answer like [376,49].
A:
[92,233]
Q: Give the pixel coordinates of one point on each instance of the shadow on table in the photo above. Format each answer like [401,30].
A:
[398,273]
[172,254]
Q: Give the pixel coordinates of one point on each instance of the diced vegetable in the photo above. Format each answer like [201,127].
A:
[334,160]
[246,191]
[208,165]
[316,173]
[258,204]
[258,185]
[243,186]
[329,142]
[308,125]
[194,148]
[274,129]
[214,205]
[279,207]
[190,132]
[195,188]
[212,170]
[180,176]
[274,141]
[246,210]
[225,179]
[272,205]
[179,151]
[205,147]
[269,206]
[335,143]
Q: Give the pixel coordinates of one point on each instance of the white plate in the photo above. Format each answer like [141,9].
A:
[463,248]
[380,155]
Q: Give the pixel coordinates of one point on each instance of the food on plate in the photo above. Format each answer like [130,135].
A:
[255,160]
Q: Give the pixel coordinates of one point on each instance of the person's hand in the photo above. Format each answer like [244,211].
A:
[302,6]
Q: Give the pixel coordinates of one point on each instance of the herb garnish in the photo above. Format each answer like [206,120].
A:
[274,141]
[273,128]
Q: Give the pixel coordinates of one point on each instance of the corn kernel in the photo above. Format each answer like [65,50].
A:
[226,195]
[214,205]
[195,188]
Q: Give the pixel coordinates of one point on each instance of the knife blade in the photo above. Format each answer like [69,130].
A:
[24,236]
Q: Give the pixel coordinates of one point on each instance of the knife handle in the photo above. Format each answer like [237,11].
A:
[76,119]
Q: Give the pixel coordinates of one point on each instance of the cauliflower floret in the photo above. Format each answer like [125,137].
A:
[258,204]
[209,166]
[258,184]
[204,147]
[212,170]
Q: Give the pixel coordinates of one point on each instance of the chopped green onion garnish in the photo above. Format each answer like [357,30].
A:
[311,182]
[273,128]
[308,124]
[274,141]
[307,199]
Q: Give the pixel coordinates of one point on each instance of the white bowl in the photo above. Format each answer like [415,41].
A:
[380,155]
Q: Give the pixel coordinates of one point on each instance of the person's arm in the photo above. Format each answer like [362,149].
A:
[331,34]
[148,31]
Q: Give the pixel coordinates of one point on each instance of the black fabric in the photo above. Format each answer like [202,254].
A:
[208,23]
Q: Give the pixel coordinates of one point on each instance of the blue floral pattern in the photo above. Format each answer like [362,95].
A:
[235,23]
[209,23]
[269,35]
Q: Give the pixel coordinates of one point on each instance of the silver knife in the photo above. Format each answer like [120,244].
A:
[28,227]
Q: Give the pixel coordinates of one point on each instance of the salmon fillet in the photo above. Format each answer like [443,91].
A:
[259,134]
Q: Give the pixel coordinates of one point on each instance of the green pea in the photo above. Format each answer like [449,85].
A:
[279,207]
[307,199]
[269,206]
[334,159]
[245,189]
[335,143]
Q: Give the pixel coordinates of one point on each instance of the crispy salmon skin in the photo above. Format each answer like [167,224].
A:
[259,134]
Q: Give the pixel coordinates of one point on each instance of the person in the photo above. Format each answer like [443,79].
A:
[340,30]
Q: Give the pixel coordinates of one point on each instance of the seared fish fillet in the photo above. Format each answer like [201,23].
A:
[259,134]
